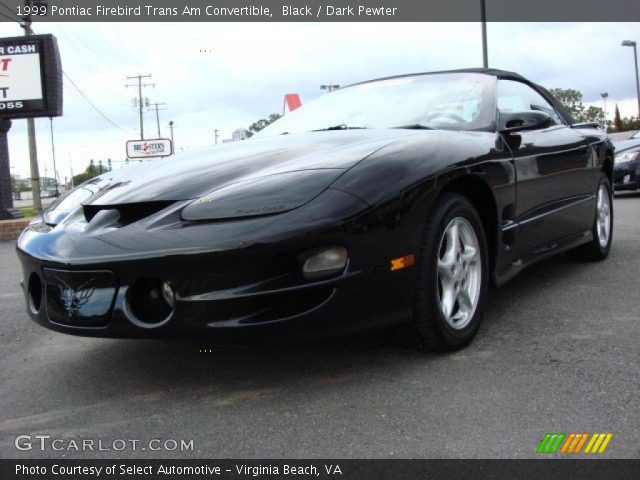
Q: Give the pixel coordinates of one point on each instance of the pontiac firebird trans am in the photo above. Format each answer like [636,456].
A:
[394,203]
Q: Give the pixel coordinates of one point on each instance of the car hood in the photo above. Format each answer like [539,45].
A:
[193,174]
[624,145]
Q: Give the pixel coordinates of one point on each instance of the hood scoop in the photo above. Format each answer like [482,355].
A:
[113,216]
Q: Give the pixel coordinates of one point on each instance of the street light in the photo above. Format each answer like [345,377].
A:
[604,96]
[632,43]
[483,19]
[329,88]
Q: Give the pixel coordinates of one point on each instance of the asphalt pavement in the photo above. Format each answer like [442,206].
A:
[558,351]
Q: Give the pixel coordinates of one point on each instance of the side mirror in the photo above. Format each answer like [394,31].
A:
[509,122]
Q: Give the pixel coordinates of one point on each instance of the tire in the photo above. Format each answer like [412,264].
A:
[598,249]
[430,328]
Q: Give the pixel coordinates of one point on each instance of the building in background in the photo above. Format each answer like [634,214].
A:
[237,135]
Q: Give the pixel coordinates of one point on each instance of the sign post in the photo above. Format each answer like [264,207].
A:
[30,86]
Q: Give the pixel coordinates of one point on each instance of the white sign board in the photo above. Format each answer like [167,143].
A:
[20,77]
[159,147]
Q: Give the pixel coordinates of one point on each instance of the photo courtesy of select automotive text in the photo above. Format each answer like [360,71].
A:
[335,239]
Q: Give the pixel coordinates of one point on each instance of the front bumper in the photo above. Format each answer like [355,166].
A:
[225,289]
[626,176]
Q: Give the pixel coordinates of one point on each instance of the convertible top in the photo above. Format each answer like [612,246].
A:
[494,72]
[486,71]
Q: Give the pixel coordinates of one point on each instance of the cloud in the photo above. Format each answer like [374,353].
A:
[221,76]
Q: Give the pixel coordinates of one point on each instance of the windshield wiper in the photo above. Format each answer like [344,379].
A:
[342,126]
[415,126]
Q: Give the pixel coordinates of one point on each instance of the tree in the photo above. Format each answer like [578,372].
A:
[617,121]
[255,127]
[571,100]
[88,174]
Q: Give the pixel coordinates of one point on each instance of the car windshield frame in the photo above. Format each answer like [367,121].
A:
[484,119]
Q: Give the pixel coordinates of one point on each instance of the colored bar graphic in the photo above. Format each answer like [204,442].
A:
[573,443]
[550,443]
[598,443]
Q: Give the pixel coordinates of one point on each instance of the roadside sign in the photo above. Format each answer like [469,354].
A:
[30,77]
[158,147]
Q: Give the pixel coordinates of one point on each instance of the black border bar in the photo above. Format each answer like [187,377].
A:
[567,469]
[333,11]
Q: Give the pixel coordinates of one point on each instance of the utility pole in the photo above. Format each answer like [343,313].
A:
[155,106]
[173,146]
[485,54]
[329,88]
[71,170]
[31,134]
[53,154]
[140,85]
[215,132]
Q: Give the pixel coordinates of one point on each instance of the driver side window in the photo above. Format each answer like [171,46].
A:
[515,97]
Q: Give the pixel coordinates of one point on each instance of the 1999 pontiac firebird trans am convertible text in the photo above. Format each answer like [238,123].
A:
[393,203]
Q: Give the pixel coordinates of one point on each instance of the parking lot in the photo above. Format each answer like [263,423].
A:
[558,351]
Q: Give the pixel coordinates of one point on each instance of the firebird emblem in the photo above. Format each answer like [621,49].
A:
[73,299]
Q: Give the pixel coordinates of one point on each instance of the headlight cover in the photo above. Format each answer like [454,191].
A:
[260,196]
[625,157]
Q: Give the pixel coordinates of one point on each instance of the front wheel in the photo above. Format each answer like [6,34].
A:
[452,278]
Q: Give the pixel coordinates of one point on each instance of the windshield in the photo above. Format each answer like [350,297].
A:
[459,101]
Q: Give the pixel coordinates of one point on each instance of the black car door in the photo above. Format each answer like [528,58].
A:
[553,174]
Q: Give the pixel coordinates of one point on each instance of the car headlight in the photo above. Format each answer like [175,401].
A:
[625,157]
[266,195]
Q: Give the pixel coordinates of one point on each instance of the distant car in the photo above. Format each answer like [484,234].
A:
[48,193]
[393,203]
[631,142]
[626,170]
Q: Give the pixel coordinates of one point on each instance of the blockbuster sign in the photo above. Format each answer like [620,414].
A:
[160,147]
[30,77]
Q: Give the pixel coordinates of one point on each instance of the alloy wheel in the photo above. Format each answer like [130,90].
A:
[459,273]
[603,216]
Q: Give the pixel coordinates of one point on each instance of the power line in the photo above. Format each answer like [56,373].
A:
[9,18]
[91,103]
[99,57]
[81,58]
[107,43]
[8,8]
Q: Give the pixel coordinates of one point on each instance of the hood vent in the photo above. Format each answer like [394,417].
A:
[129,212]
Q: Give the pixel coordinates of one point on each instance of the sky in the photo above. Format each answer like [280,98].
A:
[227,75]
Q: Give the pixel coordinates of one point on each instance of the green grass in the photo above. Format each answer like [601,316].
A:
[28,212]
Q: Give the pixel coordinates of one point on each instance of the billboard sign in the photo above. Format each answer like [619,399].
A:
[159,147]
[30,77]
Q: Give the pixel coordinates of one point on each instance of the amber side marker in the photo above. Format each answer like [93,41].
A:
[403,262]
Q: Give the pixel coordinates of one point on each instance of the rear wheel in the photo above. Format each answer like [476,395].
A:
[599,247]
[452,278]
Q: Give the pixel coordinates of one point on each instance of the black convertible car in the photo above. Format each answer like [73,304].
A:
[394,203]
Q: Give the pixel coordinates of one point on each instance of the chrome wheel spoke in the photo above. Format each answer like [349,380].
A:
[459,273]
[465,300]
[447,301]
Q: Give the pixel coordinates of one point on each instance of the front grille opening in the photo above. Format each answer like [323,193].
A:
[35,293]
[129,212]
[269,308]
